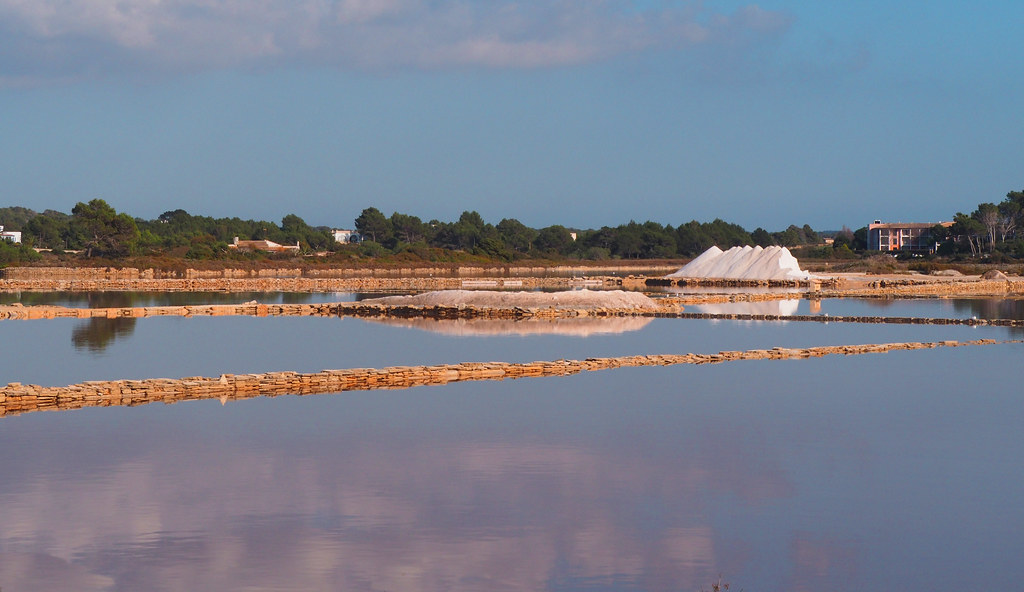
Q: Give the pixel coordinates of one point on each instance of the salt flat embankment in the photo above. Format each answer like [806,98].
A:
[17,398]
[95,279]
[51,279]
[367,309]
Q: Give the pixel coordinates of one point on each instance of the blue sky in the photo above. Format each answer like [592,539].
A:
[583,113]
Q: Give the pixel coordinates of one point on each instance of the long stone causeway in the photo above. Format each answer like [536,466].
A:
[16,398]
[372,310]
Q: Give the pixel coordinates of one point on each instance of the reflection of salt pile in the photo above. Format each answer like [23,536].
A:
[496,299]
[783,308]
[574,327]
[744,263]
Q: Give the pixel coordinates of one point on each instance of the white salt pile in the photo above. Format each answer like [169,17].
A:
[744,263]
[498,299]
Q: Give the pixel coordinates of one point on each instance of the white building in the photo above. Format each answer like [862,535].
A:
[11,235]
[915,237]
[346,236]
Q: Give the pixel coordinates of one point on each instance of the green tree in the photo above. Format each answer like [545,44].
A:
[1009,217]
[726,235]
[810,237]
[49,229]
[553,239]
[969,229]
[860,239]
[16,217]
[843,238]
[407,228]
[372,223]
[102,230]
[598,239]
[789,237]
[657,241]
[628,241]
[762,237]
[16,252]
[470,230]
[692,239]
[296,230]
[988,215]
[516,235]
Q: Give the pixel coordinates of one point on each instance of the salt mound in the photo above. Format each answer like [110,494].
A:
[497,299]
[744,263]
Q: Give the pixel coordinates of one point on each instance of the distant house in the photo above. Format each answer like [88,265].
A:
[913,237]
[10,235]
[346,236]
[262,245]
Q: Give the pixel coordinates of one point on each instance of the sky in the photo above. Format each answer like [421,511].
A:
[583,113]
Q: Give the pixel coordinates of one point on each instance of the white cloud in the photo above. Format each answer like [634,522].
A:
[66,38]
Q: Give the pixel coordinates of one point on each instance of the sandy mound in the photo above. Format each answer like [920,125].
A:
[575,327]
[744,263]
[496,299]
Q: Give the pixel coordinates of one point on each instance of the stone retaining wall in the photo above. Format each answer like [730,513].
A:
[941,289]
[130,273]
[370,310]
[16,398]
[407,280]
[293,284]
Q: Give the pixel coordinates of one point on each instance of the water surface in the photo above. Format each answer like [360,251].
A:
[887,471]
[848,473]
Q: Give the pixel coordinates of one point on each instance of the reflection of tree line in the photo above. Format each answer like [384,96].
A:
[116,299]
[993,308]
[96,334]
[982,308]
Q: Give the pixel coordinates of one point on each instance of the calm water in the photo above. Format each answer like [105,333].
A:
[116,299]
[894,471]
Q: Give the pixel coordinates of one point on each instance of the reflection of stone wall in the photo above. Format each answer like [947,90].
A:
[17,398]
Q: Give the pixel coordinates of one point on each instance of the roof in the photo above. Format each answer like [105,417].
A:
[908,224]
[262,245]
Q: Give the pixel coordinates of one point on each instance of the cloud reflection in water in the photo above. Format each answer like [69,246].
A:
[171,508]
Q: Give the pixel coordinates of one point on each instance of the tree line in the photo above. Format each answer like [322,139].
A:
[990,230]
[510,239]
[95,229]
